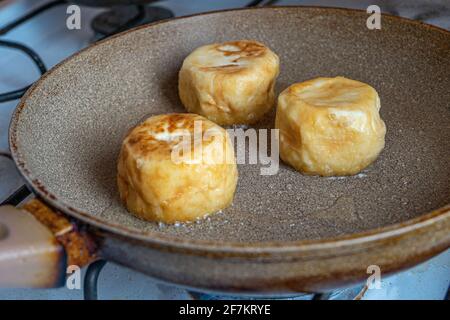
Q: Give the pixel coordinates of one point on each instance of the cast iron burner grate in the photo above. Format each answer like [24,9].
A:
[121,18]
[118,19]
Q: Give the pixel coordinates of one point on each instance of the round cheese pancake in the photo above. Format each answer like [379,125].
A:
[176,168]
[229,83]
[330,126]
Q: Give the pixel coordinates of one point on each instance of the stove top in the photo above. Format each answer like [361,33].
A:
[48,41]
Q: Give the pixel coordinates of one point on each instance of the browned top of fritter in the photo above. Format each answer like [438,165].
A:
[247,48]
[234,53]
[158,135]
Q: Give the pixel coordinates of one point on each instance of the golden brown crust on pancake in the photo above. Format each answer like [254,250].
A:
[330,126]
[155,187]
[230,82]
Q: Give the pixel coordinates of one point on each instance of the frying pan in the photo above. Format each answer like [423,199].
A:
[284,233]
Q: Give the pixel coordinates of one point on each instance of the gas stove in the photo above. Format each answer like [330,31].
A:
[47,41]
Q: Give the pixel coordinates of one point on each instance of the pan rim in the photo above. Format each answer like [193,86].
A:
[165,240]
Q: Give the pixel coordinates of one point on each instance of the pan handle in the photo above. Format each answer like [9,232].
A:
[30,256]
[38,244]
